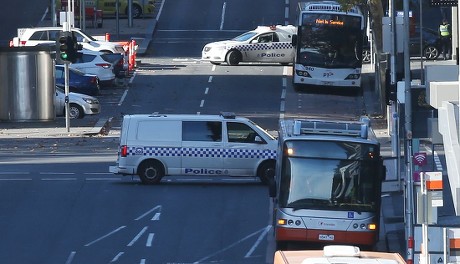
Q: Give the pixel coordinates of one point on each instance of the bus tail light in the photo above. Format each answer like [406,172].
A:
[124,151]
[353,76]
[282,222]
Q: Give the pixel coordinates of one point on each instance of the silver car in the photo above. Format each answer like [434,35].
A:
[80,104]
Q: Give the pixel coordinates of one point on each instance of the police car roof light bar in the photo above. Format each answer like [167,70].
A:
[325,127]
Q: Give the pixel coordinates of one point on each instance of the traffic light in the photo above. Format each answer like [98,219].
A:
[67,48]
[74,48]
[63,46]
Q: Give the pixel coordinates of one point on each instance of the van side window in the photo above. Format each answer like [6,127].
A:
[202,131]
[239,132]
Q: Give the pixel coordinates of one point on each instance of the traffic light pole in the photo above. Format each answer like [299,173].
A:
[66,28]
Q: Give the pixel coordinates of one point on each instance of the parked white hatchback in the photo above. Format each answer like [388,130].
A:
[93,62]
[80,104]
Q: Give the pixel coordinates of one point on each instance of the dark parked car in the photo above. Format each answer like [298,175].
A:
[79,82]
[431,45]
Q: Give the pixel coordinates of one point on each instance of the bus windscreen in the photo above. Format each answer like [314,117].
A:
[330,41]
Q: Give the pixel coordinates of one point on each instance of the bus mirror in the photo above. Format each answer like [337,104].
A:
[294,40]
[272,187]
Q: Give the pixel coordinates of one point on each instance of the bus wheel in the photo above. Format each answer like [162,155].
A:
[233,57]
[150,172]
[266,172]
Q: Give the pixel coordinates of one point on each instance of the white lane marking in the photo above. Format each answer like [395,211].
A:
[282,106]
[58,179]
[283,94]
[156,217]
[117,256]
[13,172]
[261,236]
[131,80]
[286,12]
[149,240]
[123,97]
[281,115]
[137,236]
[284,82]
[202,103]
[142,261]
[16,179]
[158,207]
[210,79]
[213,68]
[206,91]
[104,236]
[104,179]
[57,173]
[222,19]
[159,10]
[70,258]
[230,246]
[285,71]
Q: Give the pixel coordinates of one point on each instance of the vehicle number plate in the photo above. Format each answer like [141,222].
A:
[326,237]
[328,83]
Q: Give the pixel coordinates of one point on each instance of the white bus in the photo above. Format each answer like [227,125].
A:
[327,183]
[328,46]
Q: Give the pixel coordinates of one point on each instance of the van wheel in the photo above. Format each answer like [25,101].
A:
[233,57]
[266,172]
[151,172]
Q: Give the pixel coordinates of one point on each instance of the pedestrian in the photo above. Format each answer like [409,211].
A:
[445,34]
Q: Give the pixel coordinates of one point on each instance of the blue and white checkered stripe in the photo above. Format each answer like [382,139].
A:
[262,46]
[202,152]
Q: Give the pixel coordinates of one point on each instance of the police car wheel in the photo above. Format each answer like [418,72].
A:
[266,172]
[150,172]
[233,57]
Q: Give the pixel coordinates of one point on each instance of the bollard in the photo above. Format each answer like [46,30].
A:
[107,36]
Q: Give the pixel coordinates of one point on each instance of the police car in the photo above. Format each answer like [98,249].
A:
[272,44]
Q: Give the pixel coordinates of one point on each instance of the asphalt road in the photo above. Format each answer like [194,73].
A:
[59,204]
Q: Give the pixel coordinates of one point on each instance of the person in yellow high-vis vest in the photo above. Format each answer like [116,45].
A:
[445,34]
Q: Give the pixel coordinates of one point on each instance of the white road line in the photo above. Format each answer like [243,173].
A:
[104,236]
[16,179]
[13,172]
[202,103]
[261,236]
[158,207]
[115,259]
[283,94]
[131,80]
[137,236]
[142,261]
[104,179]
[206,91]
[210,79]
[149,240]
[213,68]
[284,82]
[286,12]
[224,6]
[282,106]
[230,246]
[57,173]
[58,179]
[156,217]
[159,10]
[123,97]
[70,258]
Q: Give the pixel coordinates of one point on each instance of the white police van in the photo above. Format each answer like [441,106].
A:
[271,44]
[156,145]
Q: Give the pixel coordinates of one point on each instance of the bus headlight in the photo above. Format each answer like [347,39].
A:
[302,73]
[353,76]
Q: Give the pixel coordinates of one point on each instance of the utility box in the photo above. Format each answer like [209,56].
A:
[27,86]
